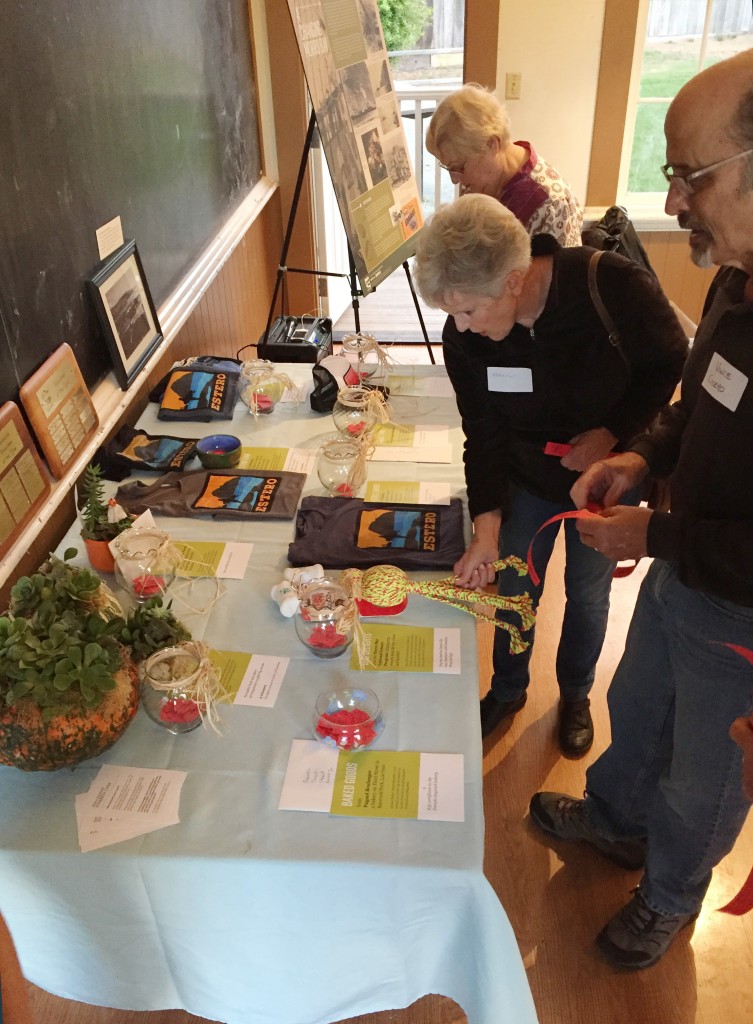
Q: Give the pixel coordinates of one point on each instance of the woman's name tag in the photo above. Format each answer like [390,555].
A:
[509,378]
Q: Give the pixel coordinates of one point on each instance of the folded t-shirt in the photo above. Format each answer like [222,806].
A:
[200,395]
[135,450]
[343,533]
[224,493]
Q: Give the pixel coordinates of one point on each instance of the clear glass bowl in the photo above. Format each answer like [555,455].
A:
[341,467]
[173,709]
[349,719]
[145,562]
[260,393]
[325,617]
[353,411]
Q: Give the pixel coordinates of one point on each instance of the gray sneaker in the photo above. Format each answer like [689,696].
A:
[637,936]
[562,816]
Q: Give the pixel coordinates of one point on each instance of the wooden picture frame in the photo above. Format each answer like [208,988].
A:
[60,408]
[126,311]
[24,484]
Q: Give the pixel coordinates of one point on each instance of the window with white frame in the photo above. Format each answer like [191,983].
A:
[681,38]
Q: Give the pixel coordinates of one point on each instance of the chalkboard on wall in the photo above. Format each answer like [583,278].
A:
[145,110]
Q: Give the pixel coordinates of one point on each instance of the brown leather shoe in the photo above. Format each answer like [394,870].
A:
[576,729]
[494,712]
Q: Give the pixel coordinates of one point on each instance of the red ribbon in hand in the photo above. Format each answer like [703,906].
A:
[591,509]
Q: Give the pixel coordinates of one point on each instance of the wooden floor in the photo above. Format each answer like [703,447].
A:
[558,897]
[389,313]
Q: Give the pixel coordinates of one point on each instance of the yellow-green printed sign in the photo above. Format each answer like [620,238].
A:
[377,784]
[263,458]
[232,666]
[393,435]
[395,648]
[200,557]
[407,492]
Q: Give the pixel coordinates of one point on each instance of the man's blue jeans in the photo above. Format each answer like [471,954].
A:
[588,579]
[672,773]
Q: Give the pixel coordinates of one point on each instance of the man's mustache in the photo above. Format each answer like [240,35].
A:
[687,223]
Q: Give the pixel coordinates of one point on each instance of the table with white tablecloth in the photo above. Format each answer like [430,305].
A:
[242,912]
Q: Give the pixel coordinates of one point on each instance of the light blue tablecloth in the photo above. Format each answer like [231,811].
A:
[242,912]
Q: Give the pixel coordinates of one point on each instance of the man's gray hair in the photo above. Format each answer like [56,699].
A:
[469,246]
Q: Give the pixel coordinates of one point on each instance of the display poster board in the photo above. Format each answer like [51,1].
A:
[60,409]
[348,75]
[24,485]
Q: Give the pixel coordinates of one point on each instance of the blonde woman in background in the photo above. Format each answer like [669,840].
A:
[469,135]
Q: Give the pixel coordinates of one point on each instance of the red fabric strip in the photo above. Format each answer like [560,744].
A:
[583,513]
[743,902]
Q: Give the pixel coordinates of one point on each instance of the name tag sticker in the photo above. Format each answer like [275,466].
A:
[509,378]
[724,383]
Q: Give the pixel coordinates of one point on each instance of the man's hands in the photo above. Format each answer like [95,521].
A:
[605,482]
[588,447]
[619,532]
[475,569]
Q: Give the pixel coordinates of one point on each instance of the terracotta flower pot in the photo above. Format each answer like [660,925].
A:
[99,555]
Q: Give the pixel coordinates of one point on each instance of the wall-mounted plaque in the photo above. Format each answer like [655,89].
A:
[24,484]
[60,408]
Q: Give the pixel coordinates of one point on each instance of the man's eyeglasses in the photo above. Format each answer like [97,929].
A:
[685,183]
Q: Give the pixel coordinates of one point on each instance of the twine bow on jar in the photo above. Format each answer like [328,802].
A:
[361,345]
[146,561]
[358,409]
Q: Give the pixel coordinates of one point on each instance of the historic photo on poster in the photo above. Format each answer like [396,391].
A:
[358,116]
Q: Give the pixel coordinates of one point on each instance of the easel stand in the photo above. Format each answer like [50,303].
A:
[283,269]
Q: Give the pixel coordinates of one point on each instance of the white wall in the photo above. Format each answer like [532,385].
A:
[556,46]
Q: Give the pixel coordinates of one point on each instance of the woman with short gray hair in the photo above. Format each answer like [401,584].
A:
[543,394]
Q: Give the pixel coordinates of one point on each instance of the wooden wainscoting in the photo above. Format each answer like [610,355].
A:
[683,282]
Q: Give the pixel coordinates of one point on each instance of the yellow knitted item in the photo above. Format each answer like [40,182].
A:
[386,586]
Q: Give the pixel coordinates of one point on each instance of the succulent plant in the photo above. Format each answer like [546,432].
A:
[150,627]
[63,637]
[95,520]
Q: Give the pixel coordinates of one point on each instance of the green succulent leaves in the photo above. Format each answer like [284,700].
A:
[59,649]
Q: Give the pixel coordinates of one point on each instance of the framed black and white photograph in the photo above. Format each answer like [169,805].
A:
[126,311]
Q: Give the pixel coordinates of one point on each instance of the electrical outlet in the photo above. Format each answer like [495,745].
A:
[512,85]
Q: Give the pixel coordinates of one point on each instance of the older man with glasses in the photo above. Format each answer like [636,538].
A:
[671,782]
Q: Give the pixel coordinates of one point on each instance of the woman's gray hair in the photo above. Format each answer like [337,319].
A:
[464,122]
[469,246]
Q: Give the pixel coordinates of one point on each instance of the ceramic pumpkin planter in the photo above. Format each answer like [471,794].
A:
[29,742]
[68,682]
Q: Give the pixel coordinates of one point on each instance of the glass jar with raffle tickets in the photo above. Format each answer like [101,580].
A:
[168,688]
[325,620]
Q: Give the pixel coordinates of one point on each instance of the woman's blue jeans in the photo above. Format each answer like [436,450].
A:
[672,774]
[588,579]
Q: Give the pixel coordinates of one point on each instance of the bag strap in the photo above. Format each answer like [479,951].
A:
[601,309]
